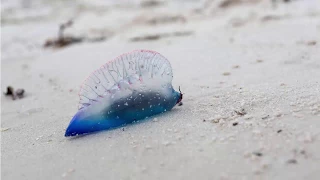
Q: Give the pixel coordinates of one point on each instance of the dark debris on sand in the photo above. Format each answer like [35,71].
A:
[63,40]
[312,43]
[232,3]
[279,131]
[242,112]
[229,3]
[19,93]
[167,19]
[259,154]
[292,161]
[154,37]
[151,3]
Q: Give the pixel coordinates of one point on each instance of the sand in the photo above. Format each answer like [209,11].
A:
[250,73]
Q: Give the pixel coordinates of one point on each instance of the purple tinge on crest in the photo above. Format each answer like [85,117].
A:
[131,87]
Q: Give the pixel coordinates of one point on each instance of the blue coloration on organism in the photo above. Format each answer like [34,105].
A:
[134,86]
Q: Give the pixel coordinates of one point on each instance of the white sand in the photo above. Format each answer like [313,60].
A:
[276,83]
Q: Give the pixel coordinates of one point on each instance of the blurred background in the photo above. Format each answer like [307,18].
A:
[28,24]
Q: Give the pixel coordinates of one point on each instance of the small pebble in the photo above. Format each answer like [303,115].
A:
[235,124]
[20,92]
[226,73]
[9,90]
[265,165]
[259,154]
[242,112]
[278,114]
[215,120]
[292,161]
[279,131]
[312,43]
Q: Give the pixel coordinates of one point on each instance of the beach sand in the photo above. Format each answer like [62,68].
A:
[250,72]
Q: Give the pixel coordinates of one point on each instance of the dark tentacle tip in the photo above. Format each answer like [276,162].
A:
[180,97]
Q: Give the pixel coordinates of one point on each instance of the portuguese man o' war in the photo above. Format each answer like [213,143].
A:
[131,87]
